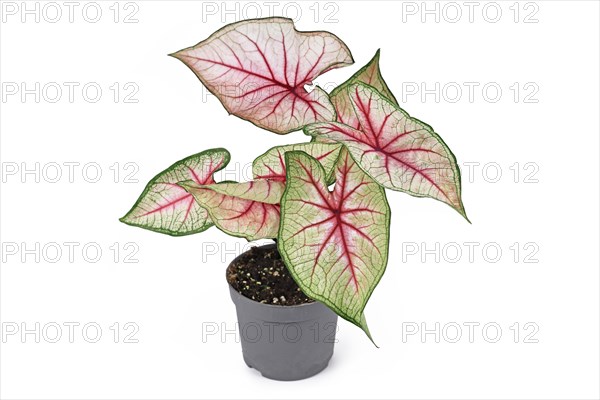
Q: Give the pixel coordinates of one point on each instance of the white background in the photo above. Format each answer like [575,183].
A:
[176,288]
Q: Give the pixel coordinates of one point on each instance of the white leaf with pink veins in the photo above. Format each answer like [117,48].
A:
[258,70]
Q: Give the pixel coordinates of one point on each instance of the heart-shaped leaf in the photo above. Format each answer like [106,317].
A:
[238,216]
[369,74]
[258,69]
[335,244]
[399,152]
[271,165]
[167,208]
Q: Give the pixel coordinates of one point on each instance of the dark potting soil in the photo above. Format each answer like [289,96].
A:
[261,275]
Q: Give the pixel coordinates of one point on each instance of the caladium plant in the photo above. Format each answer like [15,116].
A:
[334,241]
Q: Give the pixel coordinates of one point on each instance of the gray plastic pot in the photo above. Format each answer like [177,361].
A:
[285,343]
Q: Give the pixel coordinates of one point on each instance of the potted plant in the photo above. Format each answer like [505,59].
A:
[331,246]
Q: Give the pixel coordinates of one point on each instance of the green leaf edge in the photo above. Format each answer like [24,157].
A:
[280,247]
[226,159]
[350,80]
[215,34]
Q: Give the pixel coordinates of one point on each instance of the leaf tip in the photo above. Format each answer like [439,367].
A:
[363,325]
[461,211]
[350,60]
[175,55]
[180,55]
[464,214]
